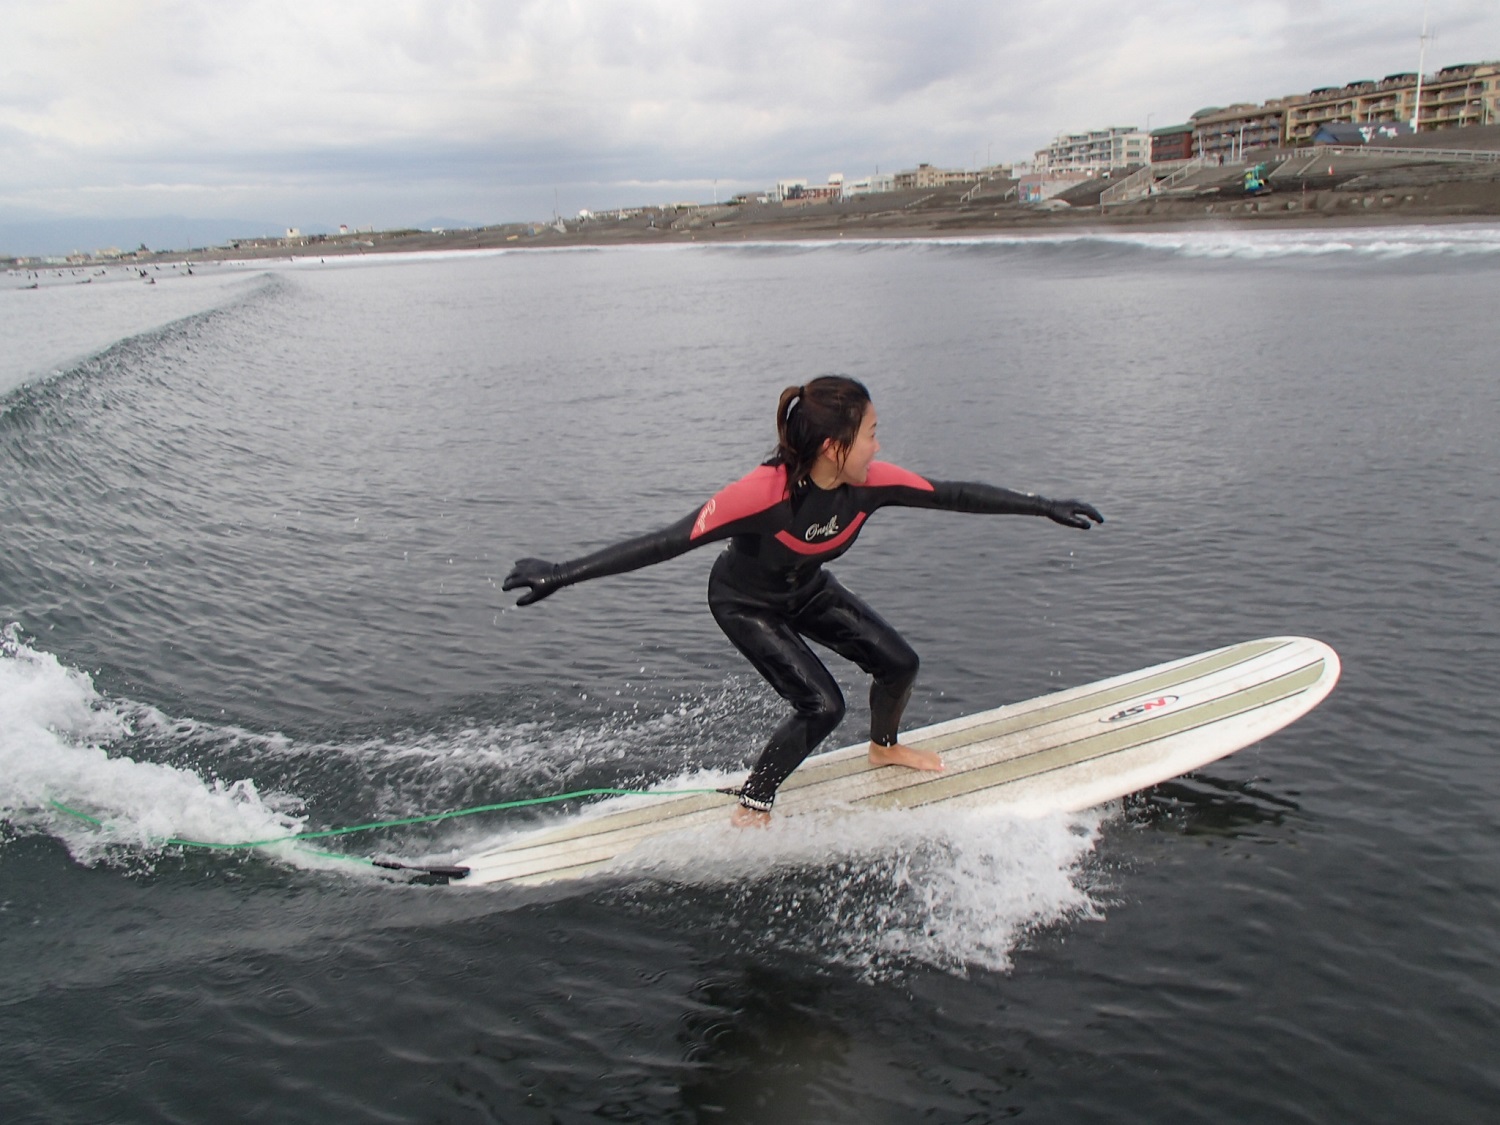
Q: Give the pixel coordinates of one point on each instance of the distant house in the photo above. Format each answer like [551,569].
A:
[788,189]
[798,192]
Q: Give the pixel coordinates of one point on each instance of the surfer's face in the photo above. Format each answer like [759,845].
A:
[854,462]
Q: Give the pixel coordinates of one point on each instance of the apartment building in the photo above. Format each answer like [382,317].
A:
[1468,94]
[1230,132]
[1171,142]
[1095,152]
[926,176]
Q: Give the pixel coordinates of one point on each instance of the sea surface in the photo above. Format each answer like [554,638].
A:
[253,525]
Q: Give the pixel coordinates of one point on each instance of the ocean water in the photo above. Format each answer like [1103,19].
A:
[253,524]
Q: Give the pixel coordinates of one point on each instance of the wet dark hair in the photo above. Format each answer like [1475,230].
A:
[829,407]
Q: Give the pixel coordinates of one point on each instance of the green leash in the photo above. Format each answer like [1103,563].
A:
[429,819]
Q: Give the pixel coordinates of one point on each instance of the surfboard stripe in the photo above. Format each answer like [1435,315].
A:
[1053,724]
[1023,717]
[923,792]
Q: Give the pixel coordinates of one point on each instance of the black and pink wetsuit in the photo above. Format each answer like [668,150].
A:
[768,591]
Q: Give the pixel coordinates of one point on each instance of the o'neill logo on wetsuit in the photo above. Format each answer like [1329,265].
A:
[700,525]
[1141,708]
[822,530]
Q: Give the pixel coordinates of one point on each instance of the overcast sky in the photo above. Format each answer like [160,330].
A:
[391,112]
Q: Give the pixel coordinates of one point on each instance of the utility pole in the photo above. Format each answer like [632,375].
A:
[1416,113]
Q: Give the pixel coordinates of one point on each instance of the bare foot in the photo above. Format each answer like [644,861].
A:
[899,755]
[749,818]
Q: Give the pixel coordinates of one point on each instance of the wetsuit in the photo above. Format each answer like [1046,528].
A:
[769,590]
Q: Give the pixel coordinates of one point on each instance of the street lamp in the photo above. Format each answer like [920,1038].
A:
[1416,112]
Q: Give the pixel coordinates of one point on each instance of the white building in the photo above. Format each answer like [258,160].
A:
[788,189]
[1095,152]
[870,185]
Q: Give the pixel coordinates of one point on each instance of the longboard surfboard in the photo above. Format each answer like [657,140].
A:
[1058,753]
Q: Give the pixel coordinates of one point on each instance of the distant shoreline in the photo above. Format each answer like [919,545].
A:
[875,218]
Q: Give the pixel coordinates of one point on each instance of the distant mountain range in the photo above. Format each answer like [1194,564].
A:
[57,237]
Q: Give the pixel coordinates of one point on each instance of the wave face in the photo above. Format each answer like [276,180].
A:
[53,320]
[250,559]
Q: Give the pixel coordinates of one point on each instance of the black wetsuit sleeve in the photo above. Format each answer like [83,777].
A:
[632,554]
[967,496]
[651,548]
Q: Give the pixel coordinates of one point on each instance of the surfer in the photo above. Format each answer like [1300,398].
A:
[769,590]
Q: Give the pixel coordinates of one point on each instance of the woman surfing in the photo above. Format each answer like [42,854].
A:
[769,590]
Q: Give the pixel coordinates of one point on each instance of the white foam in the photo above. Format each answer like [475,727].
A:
[1371,242]
[55,733]
[876,891]
[1227,243]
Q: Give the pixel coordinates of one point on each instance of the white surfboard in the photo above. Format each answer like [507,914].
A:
[1058,753]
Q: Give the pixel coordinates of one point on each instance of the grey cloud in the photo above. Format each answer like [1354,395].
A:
[454,103]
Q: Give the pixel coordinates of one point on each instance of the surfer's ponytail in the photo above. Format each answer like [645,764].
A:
[830,407]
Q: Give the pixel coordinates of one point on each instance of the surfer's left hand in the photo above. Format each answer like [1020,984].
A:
[1073,513]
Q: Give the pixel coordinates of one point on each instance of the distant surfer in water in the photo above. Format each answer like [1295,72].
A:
[768,590]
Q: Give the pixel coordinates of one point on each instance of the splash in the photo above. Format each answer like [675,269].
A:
[56,732]
[148,779]
[877,892]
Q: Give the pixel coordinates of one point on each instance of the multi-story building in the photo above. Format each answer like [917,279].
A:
[870,185]
[1171,142]
[1230,132]
[926,176]
[787,189]
[1096,151]
[1468,94]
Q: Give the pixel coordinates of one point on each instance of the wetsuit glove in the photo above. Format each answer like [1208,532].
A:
[541,576]
[1071,513]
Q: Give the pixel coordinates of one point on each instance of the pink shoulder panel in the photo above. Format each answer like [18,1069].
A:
[883,474]
[757,490]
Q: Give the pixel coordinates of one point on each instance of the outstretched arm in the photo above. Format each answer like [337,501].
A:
[741,506]
[908,490]
[542,577]
[988,499]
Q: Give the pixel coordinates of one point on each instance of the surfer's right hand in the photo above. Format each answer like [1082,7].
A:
[537,574]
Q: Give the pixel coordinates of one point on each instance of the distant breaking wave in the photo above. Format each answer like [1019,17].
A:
[1475,241]
[62,329]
